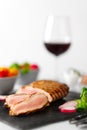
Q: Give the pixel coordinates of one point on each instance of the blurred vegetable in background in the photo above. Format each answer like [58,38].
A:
[8,72]
[16,68]
[15,65]
[13,71]
[25,67]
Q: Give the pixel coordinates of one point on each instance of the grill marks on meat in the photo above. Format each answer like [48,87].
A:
[55,89]
[52,89]
[38,101]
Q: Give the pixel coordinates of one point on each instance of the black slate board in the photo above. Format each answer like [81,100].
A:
[48,115]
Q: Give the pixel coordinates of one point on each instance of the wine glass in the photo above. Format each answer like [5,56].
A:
[57,38]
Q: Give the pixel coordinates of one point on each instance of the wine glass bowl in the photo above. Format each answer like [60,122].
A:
[57,37]
[57,48]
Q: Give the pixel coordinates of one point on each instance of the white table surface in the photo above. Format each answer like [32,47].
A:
[56,126]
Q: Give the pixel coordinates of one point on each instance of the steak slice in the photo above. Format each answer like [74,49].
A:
[34,103]
[26,90]
[14,99]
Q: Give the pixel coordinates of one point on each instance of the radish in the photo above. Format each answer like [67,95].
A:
[68,107]
[2,98]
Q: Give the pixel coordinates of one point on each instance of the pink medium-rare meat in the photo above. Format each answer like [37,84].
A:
[34,103]
[26,90]
[35,96]
[30,90]
[13,99]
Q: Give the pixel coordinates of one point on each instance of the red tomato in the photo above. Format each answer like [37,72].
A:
[13,72]
[34,66]
[4,72]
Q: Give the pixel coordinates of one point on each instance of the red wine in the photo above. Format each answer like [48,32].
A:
[57,48]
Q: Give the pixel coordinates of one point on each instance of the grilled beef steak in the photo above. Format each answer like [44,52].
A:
[35,96]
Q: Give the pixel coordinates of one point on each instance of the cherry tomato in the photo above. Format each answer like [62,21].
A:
[13,72]
[34,67]
[4,72]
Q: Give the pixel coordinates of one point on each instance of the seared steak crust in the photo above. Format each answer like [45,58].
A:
[56,89]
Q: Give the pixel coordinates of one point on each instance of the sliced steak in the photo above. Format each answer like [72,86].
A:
[34,103]
[14,99]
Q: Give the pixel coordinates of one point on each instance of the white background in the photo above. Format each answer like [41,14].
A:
[22,24]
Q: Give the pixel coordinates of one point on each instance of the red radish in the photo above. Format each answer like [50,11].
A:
[34,66]
[68,107]
[69,103]
[2,98]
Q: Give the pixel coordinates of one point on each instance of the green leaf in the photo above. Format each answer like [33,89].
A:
[82,103]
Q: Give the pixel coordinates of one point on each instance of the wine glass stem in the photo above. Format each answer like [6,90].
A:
[56,77]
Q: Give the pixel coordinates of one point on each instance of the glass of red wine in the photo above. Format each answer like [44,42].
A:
[57,38]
